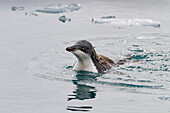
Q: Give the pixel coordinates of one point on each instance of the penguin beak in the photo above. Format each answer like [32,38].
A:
[73,48]
[70,49]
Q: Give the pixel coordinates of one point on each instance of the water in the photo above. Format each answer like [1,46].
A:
[36,73]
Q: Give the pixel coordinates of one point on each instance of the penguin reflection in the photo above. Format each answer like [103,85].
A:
[82,90]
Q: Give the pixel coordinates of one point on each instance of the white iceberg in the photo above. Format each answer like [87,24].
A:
[55,9]
[127,22]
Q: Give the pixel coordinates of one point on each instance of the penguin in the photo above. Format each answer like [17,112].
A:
[89,60]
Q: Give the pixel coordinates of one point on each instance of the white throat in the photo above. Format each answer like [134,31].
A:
[84,62]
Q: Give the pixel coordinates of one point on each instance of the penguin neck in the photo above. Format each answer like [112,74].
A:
[85,64]
[100,68]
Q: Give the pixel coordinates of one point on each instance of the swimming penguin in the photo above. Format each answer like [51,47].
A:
[88,60]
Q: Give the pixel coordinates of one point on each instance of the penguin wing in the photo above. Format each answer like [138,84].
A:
[105,61]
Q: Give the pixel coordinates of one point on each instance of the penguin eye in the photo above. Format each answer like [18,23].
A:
[84,48]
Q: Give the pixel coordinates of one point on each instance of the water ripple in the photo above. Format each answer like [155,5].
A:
[148,69]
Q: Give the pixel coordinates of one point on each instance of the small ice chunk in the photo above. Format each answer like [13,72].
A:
[56,9]
[103,19]
[64,19]
[107,17]
[14,8]
[31,13]
[146,37]
[69,19]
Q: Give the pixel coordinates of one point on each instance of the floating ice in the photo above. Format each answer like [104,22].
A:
[31,13]
[127,22]
[64,19]
[146,37]
[54,9]
[14,8]
[108,17]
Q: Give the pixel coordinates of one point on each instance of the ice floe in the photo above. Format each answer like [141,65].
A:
[14,8]
[126,22]
[59,8]
[64,19]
